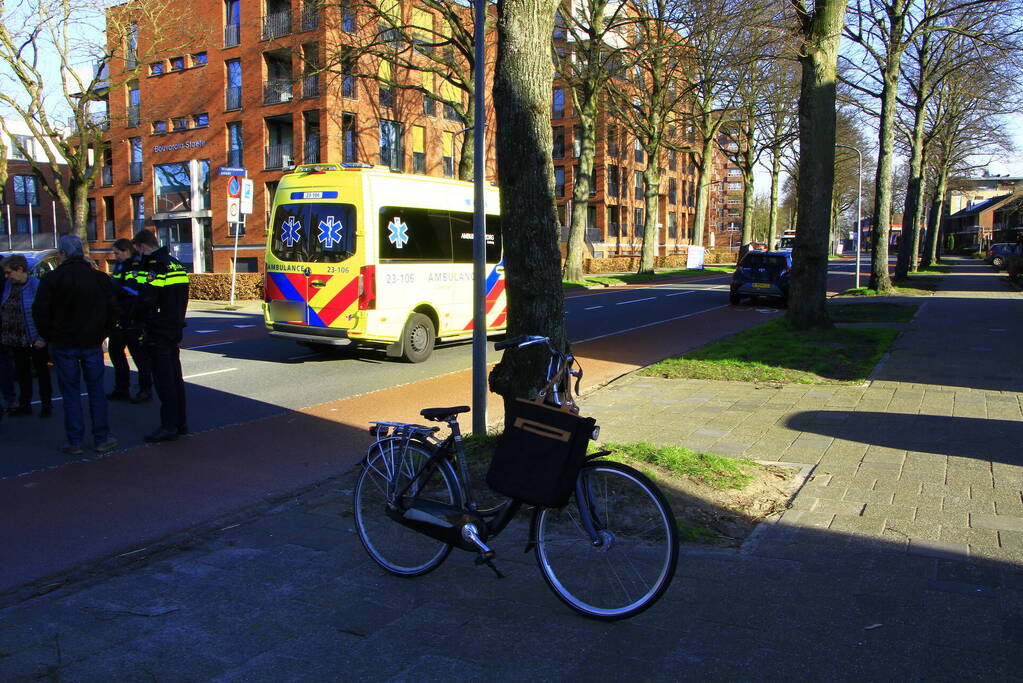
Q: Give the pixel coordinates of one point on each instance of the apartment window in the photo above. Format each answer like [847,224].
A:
[131,59]
[612,221]
[349,138]
[90,221]
[450,113]
[448,144]
[201,120]
[26,190]
[173,187]
[177,64]
[348,83]
[156,68]
[179,123]
[234,84]
[734,173]
[637,150]
[558,103]
[672,190]
[246,264]
[612,141]
[135,161]
[232,22]
[612,181]
[138,212]
[347,17]
[591,219]
[23,142]
[429,105]
[637,221]
[159,127]
[418,149]
[391,152]
[386,95]
[638,183]
[108,219]
[672,225]
[235,144]
[199,59]
[134,105]
[560,26]
[734,186]
[558,137]
[559,181]
[672,159]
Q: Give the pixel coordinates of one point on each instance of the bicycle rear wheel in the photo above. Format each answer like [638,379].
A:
[387,470]
[635,562]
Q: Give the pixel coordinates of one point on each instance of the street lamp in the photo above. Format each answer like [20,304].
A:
[859,201]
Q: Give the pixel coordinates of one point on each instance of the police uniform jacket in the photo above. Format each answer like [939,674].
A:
[162,284]
[127,289]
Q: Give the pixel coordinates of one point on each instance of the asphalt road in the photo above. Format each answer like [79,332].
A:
[236,373]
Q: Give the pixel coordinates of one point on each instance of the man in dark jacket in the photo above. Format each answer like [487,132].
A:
[128,335]
[75,310]
[163,300]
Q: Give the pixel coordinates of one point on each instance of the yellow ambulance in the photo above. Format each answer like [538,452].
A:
[360,254]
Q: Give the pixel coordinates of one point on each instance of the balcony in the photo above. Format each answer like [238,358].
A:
[279,156]
[107,175]
[232,35]
[311,86]
[135,172]
[233,97]
[276,25]
[311,150]
[277,90]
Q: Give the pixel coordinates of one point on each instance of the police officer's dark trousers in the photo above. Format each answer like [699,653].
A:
[120,340]
[165,360]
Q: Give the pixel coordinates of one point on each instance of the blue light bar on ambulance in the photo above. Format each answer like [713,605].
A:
[319,194]
[356,164]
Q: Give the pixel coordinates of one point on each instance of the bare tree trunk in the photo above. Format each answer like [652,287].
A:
[582,184]
[651,234]
[936,213]
[705,172]
[532,259]
[772,213]
[821,33]
[466,158]
[747,206]
[909,246]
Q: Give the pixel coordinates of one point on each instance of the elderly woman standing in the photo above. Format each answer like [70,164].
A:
[19,336]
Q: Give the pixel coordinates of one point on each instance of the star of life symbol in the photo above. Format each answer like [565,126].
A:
[399,232]
[330,232]
[291,232]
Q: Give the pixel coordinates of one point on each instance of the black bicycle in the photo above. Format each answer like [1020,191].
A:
[609,554]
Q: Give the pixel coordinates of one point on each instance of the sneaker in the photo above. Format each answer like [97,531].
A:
[118,395]
[71,449]
[107,445]
[142,397]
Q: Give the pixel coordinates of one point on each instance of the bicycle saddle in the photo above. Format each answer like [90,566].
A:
[442,414]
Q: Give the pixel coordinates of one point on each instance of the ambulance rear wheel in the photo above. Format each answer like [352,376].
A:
[418,338]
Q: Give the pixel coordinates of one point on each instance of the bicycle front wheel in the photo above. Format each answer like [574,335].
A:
[388,468]
[634,562]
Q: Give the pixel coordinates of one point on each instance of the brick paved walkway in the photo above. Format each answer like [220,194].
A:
[901,558]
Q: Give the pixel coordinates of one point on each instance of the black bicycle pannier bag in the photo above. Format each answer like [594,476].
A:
[538,457]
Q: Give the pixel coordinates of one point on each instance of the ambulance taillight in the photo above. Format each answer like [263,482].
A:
[367,288]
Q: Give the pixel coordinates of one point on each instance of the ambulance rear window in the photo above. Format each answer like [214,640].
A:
[314,233]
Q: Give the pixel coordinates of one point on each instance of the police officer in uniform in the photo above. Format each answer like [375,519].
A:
[163,299]
[128,335]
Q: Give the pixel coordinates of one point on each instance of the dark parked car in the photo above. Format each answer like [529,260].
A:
[762,274]
[996,253]
[40,261]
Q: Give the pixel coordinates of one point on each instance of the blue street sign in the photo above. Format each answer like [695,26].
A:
[231,170]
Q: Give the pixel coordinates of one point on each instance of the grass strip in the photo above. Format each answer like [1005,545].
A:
[713,470]
[776,352]
[877,312]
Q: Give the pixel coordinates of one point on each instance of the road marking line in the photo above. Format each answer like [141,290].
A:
[211,372]
[205,346]
[640,327]
[205,331]
[680,293]
[241,327]
[592,308]
[635,301]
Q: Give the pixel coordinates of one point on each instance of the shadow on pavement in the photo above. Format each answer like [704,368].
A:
[965,437]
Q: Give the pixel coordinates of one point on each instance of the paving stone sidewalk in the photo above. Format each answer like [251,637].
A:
[901,558]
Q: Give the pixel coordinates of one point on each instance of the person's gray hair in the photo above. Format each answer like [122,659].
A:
[71,245]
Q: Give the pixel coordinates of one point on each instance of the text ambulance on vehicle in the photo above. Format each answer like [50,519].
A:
[359,254]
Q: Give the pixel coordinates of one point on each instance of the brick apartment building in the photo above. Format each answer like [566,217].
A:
[240,96]
[30,218]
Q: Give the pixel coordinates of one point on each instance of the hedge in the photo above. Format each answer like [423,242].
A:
[628,264]
[217,286]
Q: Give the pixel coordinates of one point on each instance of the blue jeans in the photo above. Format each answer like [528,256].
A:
[72,365]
